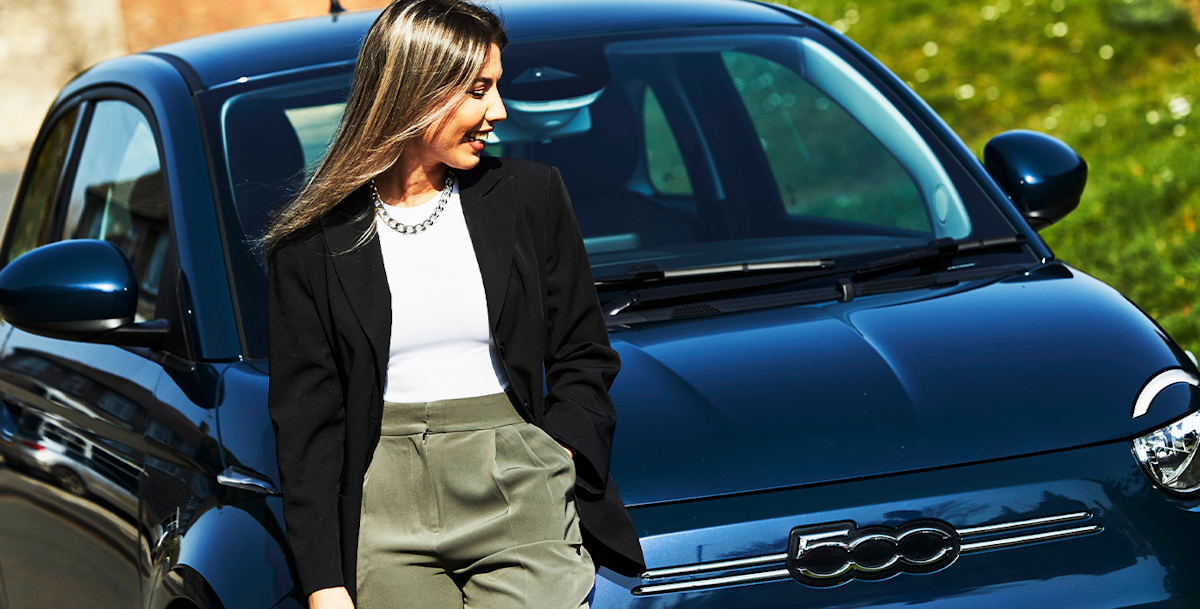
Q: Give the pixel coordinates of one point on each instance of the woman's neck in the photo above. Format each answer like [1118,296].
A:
[408,184]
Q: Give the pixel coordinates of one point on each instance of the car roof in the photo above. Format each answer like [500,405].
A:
[300,43]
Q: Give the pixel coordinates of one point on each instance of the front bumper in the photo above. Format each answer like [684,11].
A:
[1078,528]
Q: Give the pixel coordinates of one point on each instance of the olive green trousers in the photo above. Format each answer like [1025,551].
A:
[466,505]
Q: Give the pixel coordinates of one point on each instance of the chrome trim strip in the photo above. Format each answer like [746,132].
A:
[697,584]
[1155,386]
[775,559]
[741,563]
[988,529]
[1009,542]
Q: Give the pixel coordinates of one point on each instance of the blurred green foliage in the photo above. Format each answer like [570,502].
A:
[829,165]
[1115,79]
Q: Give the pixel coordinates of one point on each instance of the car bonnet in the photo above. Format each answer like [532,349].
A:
[950,375]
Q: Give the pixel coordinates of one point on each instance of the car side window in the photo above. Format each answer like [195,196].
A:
[664,161]
[826,163]
[118,194]
[32,222]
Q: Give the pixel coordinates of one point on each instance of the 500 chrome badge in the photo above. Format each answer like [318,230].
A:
[832,554]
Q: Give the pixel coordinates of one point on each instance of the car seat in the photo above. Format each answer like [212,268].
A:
[266,160]
[597,167]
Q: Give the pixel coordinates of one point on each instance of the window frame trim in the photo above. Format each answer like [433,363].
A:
[87,100]
[93,97]
[18,203]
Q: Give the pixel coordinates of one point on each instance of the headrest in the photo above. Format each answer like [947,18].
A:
[266,160]
[602,159]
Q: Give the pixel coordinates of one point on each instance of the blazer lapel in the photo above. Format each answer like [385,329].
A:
[360,272]
[490,224]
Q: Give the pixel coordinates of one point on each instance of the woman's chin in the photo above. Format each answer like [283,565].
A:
[464,162]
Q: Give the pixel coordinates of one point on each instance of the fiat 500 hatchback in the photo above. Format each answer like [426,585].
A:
[853,373]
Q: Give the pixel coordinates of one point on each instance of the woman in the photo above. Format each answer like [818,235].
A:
[417,293]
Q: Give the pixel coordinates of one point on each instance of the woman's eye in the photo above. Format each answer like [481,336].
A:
[478,94]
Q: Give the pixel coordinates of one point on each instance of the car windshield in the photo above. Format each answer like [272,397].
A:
[683,149]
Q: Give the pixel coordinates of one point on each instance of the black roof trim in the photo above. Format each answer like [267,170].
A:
[185,70]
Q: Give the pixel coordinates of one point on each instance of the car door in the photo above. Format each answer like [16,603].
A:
[28,228]
[86,422]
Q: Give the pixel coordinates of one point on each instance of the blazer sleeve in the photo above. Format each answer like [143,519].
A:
[580,364]
[305,403]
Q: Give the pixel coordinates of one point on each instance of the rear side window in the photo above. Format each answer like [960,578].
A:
[825,162]
[118,194]
[33,216]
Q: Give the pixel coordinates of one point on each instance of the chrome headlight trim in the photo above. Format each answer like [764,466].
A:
[1168,456]
[1155,386]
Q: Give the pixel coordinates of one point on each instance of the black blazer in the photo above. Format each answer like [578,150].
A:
[330,327]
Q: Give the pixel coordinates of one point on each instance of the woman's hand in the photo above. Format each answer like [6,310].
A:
[330,598]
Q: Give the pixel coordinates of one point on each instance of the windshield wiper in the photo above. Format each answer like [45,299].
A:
[668,284]
[643,274]
[938,250]
[860,282]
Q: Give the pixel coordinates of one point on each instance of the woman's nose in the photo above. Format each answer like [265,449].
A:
[496,112]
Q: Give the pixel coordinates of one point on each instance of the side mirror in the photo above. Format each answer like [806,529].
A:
[1043,176]
[82,290]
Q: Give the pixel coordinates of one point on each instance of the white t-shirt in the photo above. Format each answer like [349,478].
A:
[440,346]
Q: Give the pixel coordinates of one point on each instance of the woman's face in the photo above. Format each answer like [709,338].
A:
[458,138]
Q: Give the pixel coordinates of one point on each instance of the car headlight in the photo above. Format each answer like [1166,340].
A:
[1168,455]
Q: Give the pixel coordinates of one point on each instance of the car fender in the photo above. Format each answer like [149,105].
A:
[226,559]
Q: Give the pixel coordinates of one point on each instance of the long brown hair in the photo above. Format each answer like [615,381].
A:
[418,60]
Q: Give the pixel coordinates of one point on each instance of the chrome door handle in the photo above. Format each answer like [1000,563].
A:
[236,477]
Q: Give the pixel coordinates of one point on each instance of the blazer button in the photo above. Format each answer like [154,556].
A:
[526,404]
[501,348]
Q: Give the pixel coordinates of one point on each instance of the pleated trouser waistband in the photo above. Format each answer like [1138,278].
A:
[440,416]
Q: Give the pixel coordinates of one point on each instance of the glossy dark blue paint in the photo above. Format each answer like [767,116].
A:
[883,385]
[227,56]
[93,409]
[65,286]
[226,545]
[982,402]
[1043,176]
[1143,557]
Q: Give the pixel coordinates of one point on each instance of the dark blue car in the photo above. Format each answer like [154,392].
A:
[853,373]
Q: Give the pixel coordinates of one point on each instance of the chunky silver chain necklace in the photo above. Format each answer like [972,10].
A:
[413,229]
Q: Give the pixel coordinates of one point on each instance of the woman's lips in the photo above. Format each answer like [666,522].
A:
[476,140]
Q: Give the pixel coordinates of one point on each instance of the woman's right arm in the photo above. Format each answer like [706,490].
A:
[305,404]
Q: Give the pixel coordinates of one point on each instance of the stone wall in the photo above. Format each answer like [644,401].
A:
[44,43]
[149,23]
